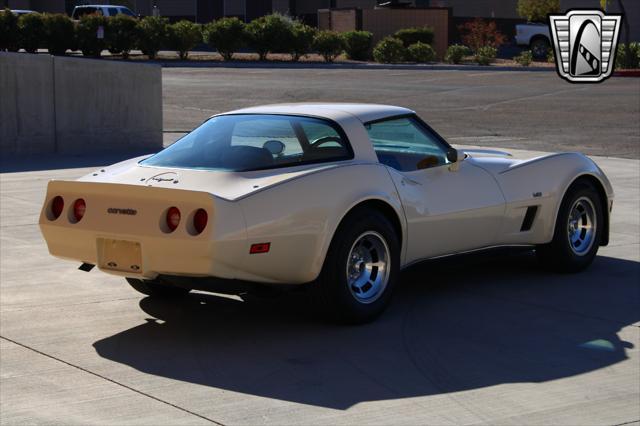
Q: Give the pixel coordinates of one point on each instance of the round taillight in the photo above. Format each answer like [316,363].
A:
[79,207]
[173,218]
[200,220]
[57,205]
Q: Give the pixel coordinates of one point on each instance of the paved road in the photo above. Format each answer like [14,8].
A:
[482,340]
[526,110]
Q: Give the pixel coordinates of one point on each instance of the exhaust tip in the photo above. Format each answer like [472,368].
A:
[86,267]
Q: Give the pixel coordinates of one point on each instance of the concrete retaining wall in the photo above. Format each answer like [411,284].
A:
[71,105]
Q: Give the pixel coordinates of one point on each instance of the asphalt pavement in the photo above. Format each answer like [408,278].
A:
[506,109]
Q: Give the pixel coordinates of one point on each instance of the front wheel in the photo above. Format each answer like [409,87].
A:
[577,232]
[156,288]
[361,268]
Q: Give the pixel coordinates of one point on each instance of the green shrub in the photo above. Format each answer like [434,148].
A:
[486,55]
[456,53]
[226,35]
[389,50]
[628,58]
[184,36]
[550,57]
[357,44]
[524,58]
[87,35]
[329,44]
[60,33]
[421,52]
[270,33]
[32,31]
[152,34]
[9,39]
[301,40]
[121,34]
[410,36]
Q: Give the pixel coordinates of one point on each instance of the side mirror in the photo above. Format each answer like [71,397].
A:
[452,155]
[455,157]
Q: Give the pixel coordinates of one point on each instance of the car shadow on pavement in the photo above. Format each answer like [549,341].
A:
[454,325]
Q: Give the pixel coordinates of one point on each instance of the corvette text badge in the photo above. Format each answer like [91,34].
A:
[584,44]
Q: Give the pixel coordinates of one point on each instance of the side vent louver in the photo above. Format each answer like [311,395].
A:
[529,216]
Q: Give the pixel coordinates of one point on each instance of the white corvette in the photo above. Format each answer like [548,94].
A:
[340,197]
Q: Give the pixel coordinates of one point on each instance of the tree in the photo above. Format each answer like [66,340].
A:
[537,10]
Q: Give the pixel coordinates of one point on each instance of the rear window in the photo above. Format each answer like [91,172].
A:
[245,142]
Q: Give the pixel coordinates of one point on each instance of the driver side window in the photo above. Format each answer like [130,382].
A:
[404,144]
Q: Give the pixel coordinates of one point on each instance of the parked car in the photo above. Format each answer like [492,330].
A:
[21,11]
[536,37]
[105,10]
[337,197]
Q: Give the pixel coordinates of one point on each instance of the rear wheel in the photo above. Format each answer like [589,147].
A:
[577,232]
[157,288]
[360,270]
[540,48]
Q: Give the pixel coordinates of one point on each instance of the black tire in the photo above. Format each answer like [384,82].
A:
[157,288]
[560,255]
[332,292]
[540,47]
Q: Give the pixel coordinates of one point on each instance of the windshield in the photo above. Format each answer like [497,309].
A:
[244,142]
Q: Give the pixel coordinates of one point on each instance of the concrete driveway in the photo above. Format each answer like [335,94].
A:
[487,339]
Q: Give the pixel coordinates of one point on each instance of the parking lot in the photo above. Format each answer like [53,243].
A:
[487,339]
[515,109]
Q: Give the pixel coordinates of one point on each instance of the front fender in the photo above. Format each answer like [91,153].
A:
[544,181]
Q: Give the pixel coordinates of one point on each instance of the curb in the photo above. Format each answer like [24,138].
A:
[338,66]
[627,73]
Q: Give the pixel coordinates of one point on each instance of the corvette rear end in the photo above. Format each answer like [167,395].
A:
[141,231]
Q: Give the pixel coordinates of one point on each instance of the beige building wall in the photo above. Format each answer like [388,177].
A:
[343,20]
[384,22]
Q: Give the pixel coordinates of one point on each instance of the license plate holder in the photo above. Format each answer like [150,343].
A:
[120,255]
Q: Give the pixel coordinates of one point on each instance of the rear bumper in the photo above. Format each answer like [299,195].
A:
[155,255]
[138,244]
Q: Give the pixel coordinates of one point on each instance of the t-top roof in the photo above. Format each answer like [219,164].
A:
[335,111]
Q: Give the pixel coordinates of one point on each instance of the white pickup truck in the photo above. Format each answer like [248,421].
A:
[536,37]
[100,9]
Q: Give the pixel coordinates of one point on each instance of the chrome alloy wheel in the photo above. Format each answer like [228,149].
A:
[581,226]
[368,267]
